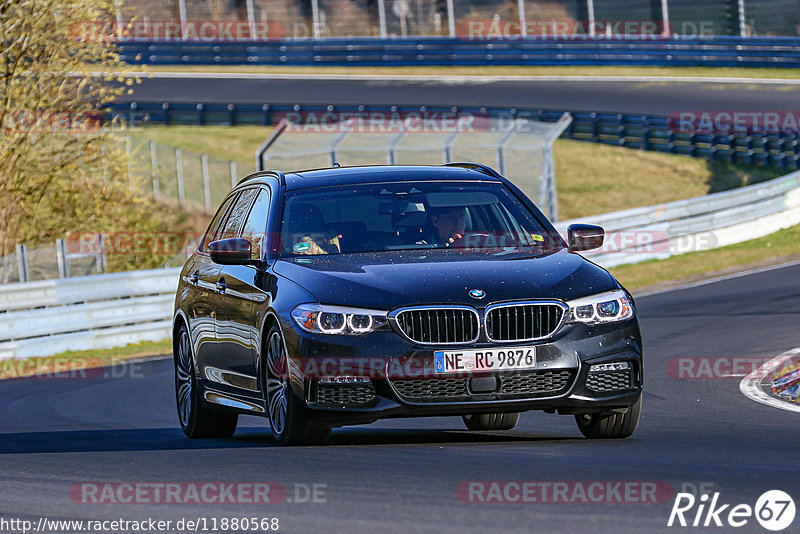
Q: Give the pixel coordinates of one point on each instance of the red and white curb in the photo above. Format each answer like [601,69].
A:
[750,386]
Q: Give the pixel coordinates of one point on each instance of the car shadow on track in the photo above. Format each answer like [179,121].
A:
[157,439]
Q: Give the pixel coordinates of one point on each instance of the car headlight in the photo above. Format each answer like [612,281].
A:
[603,308]
[327,319]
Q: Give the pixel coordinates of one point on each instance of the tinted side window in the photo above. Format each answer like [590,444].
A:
[215,222]
[255,226]
[237,214]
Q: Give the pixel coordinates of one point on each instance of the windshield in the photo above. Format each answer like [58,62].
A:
[407,216]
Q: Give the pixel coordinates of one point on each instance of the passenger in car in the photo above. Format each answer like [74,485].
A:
[316,238]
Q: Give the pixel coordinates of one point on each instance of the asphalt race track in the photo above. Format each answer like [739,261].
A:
[401,475]
[647,97]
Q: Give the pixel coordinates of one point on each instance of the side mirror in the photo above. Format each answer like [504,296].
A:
[585,237]
[235,251]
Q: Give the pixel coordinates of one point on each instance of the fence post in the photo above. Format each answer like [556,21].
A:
[22,262]
[451,19]
[61,257]
[101,253]
[590,10]
[179,172]
[206,183]
[154,168]
[742,20]
[523,31]
[315,18]
[234,173]
[182,14]
[665,31]
[382,18]
[251,20]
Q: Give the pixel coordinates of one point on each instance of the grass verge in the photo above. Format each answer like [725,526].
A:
[72,364]
[780,247]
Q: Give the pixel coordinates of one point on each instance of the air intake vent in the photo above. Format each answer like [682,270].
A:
[438,325]
[523,322]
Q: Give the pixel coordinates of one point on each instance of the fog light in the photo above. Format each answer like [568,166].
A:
[606,367]
[344,380]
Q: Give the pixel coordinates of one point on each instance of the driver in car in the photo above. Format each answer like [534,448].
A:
[446,225]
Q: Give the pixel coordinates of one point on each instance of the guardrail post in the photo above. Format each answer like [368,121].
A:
[179,174]
[201,119]
[22,262]
[646,133]
[231,115]
[595,128]
[234,174]
[154,168]
[206,183]
[61,258]
[166,111]
[267,120]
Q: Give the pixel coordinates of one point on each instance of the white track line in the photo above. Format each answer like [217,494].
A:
[751,385]
[476,79]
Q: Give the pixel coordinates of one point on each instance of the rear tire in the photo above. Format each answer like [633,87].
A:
[197,421]
[611,426]
[491,421]
[286,412]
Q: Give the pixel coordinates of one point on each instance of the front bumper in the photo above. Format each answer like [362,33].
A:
[401,382]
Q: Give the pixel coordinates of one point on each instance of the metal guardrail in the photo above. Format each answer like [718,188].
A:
[98,311]
[645,132]
[701,223]
[718,51]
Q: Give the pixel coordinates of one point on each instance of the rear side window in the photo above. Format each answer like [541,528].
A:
[255,226]
[237,214]
[215,222]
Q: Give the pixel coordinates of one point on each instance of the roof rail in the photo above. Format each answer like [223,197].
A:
[480,167]
[277,174]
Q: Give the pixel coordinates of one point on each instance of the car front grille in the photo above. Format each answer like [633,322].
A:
[523,322]
[345,395]
[525,384]
[609,381]
[439,325]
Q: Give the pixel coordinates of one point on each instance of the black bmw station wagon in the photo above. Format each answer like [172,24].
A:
[342,296]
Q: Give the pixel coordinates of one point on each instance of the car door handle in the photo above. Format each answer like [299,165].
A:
[221,287]
[194,279]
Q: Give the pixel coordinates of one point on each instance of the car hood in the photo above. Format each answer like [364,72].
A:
[387,280]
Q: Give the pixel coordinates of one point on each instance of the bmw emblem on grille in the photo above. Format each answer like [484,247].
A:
[477,293]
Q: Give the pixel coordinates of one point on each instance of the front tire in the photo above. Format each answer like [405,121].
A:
[286,412]
[197,421]
[491,421]
[611,426]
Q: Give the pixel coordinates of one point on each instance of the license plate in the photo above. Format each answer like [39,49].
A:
[473,361]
